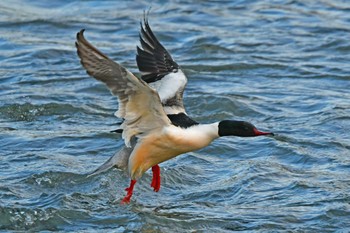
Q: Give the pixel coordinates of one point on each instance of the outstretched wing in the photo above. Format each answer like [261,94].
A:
[160,71]
[139,105]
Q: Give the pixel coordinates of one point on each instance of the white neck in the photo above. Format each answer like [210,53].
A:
[195,137]
[208,130]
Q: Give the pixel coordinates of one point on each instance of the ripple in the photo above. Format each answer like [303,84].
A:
[30,219]
[30,112]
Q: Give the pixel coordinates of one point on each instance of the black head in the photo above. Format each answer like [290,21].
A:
[239,128]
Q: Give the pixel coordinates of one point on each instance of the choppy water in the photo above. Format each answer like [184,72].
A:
[282,65]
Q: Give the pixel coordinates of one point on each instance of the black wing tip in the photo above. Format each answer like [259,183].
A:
[80,34]
[146,14]
[144,19]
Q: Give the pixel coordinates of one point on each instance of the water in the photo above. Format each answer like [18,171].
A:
[282,65]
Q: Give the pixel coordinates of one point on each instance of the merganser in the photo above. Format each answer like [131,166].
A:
[155,124]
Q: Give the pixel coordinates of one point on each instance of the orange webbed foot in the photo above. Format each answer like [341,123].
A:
[156,178]
[129,193]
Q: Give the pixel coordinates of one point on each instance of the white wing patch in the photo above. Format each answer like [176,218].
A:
[169,85]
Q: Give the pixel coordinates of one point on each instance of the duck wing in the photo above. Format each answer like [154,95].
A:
[160,70]
[139,104]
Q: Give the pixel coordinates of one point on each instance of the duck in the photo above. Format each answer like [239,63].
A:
[155,125]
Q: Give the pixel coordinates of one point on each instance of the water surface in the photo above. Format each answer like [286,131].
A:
[282,65]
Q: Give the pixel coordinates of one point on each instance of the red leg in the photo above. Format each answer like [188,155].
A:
[156,178]
[129,190]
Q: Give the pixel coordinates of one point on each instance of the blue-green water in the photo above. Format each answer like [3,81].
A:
[282,65]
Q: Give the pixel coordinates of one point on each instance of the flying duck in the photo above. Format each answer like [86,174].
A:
[155,125]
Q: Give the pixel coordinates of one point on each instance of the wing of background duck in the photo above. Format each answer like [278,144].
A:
[160,71]
[139,105]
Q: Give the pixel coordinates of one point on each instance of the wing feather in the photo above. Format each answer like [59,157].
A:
[160,70]
[139,105]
